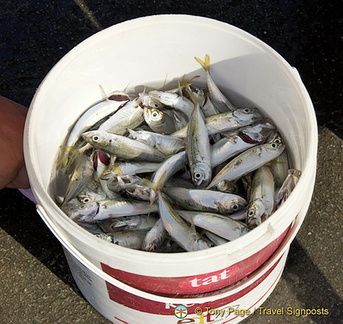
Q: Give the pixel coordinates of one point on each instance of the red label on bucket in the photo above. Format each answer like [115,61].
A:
[154,307]
[201,283]
[212,279]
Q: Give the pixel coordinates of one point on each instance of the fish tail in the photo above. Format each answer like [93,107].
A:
[184,83]
[205,64]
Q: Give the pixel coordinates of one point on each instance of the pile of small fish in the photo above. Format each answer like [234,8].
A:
[175,170]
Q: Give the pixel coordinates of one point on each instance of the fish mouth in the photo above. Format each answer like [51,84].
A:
[89,218]
[247,139]
[97,210]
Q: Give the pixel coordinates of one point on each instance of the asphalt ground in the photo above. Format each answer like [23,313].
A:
[36,284]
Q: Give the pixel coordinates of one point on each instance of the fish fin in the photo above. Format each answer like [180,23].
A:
[68,157]
[103,92]
[140,99]
[84,148]
[113,159]
[149,183]
[193,230]
[153,192]
[193,77]
[205,64]
[180,87]
[184,83]
[131,133]
[156,187]
[106,174]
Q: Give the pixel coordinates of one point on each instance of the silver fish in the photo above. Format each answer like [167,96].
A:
[219,99]
[180,119]
[92,228]
[141,192]
[167,169]
[221,225]
[178,181]
[216,239]
[148,101]
[249,161]
[126,167]
[101,161]
[239,141]
[198,149]
[154,237]
[173,100]
[227,186]
[80,177]
[195,94]
[80,211]
[88,194]
[166,144]
[95,113]
[209,109]
[104,209]
[129,239]
[136,222]
[261,202]
[280,166]
[160,121]
[226,121]
[131,184]
[178,229]
[118,182]
[90,117]
[123,147]
[287,186]
[239,215]
[206,200]
[129,116]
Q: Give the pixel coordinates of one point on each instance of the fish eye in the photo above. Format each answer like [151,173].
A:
[85,200]
[251,213]
[234,207]
[95,138]
[154,114]
[197,175]
[247,110]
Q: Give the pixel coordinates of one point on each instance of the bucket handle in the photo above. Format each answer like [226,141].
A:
[121,285]
[111,280]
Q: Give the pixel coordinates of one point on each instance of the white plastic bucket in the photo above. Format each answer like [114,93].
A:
[157,50]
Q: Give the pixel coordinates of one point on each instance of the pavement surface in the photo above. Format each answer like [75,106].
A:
[36,284]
